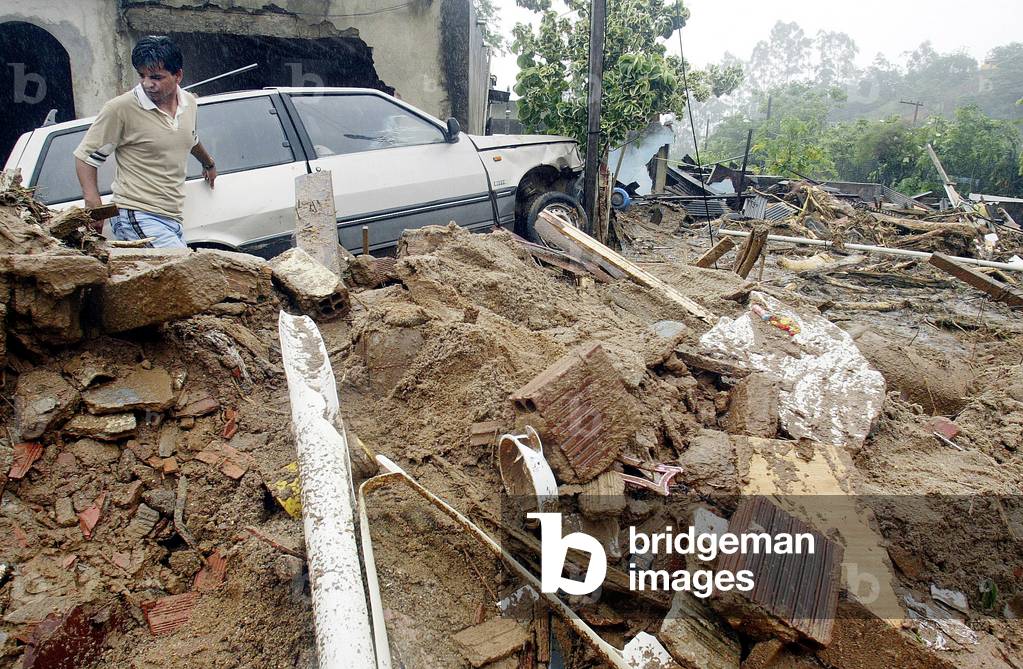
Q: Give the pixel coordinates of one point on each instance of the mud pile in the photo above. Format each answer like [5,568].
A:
[149,487]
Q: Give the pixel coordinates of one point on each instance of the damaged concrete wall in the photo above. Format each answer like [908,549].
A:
[407,43]
[57,56]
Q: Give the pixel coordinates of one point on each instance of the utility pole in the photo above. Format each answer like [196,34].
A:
[916,107]
[598,21]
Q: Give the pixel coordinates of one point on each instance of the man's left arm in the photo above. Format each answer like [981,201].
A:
[209,168]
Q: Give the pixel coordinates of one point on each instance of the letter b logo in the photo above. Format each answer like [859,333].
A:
[554,550]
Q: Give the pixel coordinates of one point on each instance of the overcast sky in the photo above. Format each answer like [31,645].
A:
[891,27]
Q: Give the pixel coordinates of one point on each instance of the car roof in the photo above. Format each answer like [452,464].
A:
[238,95]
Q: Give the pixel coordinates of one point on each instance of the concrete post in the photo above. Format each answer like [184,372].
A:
[315,220]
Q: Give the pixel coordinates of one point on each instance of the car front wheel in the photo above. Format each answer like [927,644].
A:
[560,204]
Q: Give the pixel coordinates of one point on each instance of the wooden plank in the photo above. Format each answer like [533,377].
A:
[714,254]
[998,291]
[577,253]
[640,276]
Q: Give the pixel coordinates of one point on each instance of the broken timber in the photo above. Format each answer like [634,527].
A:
[615,261]
[751,251]
[998,291]
[714,254]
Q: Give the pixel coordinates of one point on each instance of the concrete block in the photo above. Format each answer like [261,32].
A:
[180,288]
[316,289]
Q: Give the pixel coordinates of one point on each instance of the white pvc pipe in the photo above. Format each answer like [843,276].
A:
[1015,266]
[344,635]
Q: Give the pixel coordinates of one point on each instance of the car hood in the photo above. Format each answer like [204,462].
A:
[500,141]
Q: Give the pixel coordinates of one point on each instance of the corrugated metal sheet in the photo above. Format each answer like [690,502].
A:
[767,209]
[710,209]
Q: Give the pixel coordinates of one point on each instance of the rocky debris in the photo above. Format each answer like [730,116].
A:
[580,404]
[317,291]
[65,512]
[42,401]
[92,453]
[109,427]
[829,392]
[180,288]
[195,405]
[47,295]
[87,369]
[694,637]
[140,389]
[491,641]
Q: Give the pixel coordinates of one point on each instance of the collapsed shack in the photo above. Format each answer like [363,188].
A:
[151,507]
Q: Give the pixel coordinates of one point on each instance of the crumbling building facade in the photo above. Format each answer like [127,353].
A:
[73,56]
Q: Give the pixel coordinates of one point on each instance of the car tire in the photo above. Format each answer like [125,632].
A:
[557,202]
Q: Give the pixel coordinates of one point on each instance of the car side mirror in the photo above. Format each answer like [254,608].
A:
[453,130]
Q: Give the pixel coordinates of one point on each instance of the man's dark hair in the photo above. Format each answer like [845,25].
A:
[157,50]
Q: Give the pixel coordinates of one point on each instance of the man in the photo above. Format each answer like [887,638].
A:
[150,130]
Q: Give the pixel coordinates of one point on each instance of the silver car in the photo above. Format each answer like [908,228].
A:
[394,167]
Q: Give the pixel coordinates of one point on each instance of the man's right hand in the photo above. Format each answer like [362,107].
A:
[92,203]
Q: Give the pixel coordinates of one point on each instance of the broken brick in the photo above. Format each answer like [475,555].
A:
[584,409]
[231,427]
[209,456]
[200,407]
[75,639]
[179,288]
[211,576]
[942,426]
[25,455]
[88,518]
[142,389]
[233,470]
[484,434]
[168,614]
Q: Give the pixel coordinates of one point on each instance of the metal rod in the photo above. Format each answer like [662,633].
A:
[221,76]
[923,255]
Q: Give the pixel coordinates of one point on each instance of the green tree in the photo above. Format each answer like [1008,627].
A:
[640,79]
[490,24]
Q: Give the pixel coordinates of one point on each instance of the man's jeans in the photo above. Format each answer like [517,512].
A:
[131,224]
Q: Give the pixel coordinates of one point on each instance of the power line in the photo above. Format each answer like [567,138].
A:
[692,125]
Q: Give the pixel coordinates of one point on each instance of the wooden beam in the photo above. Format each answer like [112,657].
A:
[751,251]
[714,254]
[998,291]
[611,259]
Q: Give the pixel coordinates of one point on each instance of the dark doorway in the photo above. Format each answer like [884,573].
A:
[325,61]
[35,77]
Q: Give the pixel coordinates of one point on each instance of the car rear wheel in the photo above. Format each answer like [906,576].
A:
[560,204]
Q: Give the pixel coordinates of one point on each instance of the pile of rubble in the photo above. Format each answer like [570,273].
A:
[152,504]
